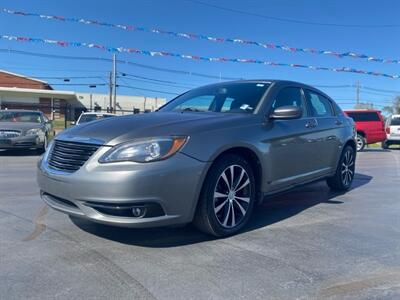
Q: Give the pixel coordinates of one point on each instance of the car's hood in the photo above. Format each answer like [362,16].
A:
[22,126]
[117,130]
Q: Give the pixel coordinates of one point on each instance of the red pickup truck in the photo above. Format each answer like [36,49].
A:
[370,126]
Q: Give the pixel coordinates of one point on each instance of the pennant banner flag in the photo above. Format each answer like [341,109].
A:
[191,57]
[193,36]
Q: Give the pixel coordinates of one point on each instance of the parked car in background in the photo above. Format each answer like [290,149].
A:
[24,129]
[90,116]
[208,156]
[370,126]
[392,131]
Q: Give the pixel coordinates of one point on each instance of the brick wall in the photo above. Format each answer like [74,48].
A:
[9,80]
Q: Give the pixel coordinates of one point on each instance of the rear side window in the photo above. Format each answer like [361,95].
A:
[364,116]
[395,122]
[320,105]
[289,96]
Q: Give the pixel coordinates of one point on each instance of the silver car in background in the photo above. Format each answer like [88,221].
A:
[207,157]
[24,129]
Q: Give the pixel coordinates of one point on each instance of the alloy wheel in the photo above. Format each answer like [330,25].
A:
[360,143]
[232,196]
[347,170]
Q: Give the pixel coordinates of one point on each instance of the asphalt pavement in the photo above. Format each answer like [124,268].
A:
[306,244]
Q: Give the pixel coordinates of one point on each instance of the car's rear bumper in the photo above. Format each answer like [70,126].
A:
[393,139]
[21,142]
[101,192]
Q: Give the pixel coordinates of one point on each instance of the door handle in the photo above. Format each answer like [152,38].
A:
[338,122]
[311,124]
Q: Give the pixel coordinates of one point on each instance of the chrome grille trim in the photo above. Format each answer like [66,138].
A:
[66,156]
[4,133]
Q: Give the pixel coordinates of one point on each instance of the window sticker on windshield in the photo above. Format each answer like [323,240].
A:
[260,84]
[245,106]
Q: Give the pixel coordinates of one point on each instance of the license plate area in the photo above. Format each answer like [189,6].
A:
[5,142]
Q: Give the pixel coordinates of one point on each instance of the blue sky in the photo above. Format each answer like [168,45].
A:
[189,16]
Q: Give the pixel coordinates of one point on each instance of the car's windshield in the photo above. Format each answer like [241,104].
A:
[20,116]
[226,98]
[92,117]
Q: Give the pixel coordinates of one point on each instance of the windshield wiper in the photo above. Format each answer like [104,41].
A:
[191,109]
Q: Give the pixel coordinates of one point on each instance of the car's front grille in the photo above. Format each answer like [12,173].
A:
[9,133]
[70,156]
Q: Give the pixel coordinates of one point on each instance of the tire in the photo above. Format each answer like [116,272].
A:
[224,207]
[42,149]
[360,142]
[345,171]
[385,145]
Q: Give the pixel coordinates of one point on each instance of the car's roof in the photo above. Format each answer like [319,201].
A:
[264,81]
[395,116]
[270,81]
[361,110]
[22,110]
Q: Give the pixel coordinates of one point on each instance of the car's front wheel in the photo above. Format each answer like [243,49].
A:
[345,170]
[42,149]
[227,198]
[385,145]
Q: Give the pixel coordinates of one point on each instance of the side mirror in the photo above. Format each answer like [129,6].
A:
[287,112]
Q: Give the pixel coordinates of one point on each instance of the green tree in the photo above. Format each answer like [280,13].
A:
[394,108]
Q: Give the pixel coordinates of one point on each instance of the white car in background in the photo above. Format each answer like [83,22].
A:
[392,131]
[91,116]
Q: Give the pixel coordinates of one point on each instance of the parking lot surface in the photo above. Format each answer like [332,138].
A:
[306,244]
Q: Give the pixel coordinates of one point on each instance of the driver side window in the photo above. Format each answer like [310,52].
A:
[289,96]
[200,103]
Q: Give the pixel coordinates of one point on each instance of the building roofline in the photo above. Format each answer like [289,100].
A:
[37,91]
[23,76]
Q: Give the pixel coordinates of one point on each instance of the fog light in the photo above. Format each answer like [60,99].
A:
[138,212]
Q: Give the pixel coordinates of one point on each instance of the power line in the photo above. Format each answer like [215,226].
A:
[120,61]
[295,21]
[148,90]
[152,82]
[155,81]
[380,90]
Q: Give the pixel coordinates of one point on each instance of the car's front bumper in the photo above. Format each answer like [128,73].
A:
[21,142]
[173,184]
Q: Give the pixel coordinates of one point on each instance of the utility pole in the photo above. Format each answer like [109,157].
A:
[111,93]
[358,92]
[115,82]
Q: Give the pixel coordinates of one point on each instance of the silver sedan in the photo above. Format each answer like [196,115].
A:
[208,157]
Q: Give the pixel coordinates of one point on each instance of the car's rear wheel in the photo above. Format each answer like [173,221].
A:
[360,142]
[227,198]
[385,145]
[345,170]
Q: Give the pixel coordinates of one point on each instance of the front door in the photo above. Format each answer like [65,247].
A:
[291,143]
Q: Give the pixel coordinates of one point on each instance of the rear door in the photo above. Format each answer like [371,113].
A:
[326,134]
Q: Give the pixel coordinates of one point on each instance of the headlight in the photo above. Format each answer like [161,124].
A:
[34,131]
[145,150]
